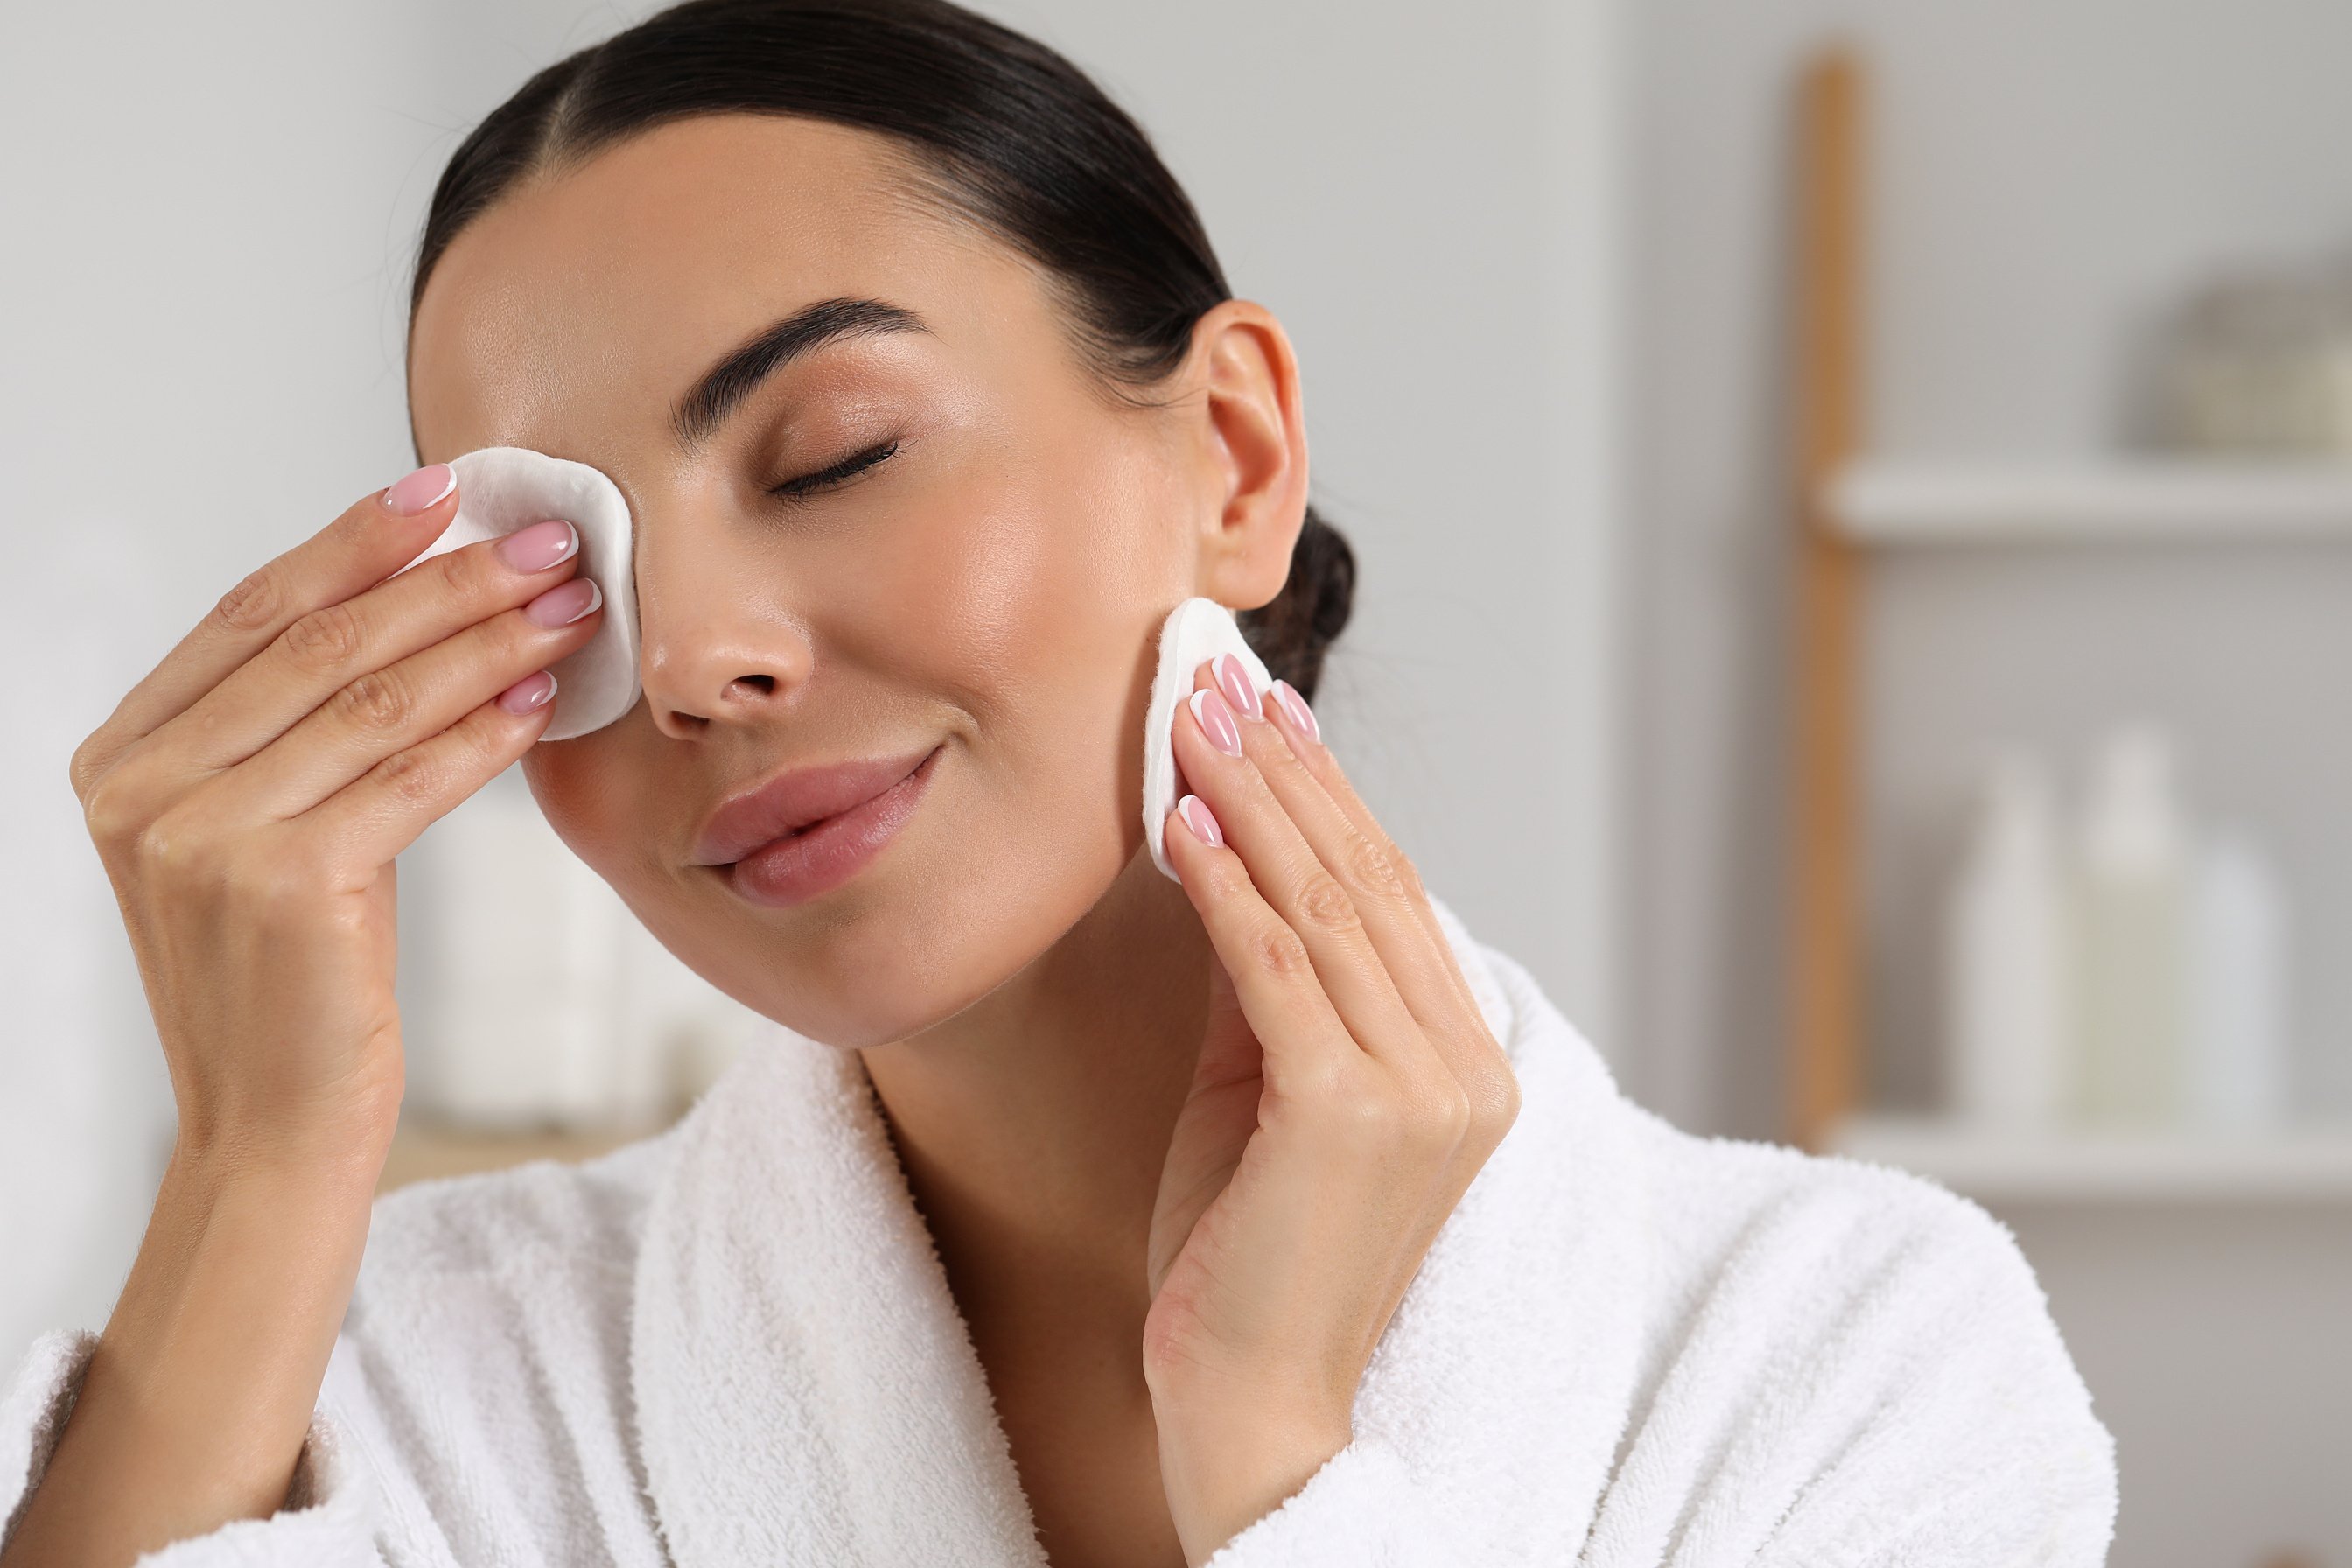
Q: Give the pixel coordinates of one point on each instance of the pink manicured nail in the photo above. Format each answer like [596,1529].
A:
[564,603]
[1201,820]
[1216,721]
[415,492]
[540,546]
[1296,706]
[1234,682]
[530,692]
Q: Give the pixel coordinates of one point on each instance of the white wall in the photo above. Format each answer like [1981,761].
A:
[203,368]
[2046,174]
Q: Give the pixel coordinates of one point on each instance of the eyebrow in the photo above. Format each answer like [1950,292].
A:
[726,383]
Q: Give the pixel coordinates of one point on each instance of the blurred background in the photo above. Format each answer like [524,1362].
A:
[1855,507]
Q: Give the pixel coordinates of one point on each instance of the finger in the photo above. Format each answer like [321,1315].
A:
[1299,1032]
[373,538]
[347,648]
[387,711]
[1292,880]
[1417,959]
[362,826]
[1289,713]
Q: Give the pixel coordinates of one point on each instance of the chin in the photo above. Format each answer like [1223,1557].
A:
[944,919]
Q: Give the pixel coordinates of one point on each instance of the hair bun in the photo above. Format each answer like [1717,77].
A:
[1297,627]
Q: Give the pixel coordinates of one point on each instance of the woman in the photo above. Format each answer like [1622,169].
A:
[1069,1214]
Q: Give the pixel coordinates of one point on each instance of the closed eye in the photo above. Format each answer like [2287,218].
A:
[826,479]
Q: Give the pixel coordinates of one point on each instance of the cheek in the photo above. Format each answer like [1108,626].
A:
[1038,592]
[584,790]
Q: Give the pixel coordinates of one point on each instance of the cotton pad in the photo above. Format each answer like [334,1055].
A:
[502,488]
[1195,631]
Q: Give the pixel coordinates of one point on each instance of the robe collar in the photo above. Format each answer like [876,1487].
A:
[807,1391]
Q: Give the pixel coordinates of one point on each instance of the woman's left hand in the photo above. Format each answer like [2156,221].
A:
[1346,1092]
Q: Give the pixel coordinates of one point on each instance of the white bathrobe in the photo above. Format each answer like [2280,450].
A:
[734,1343]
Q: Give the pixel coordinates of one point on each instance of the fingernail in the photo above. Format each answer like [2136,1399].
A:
[425,487]
[1201,820]
[1216,721]
[1296,706]
[565,603]
[1235,682]
[531,691]
[540,546]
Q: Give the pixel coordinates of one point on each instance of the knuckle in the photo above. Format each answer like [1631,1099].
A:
[176,848]
[114,809]
[377,701]
[1443,1118]
[471,576]
[1493,1091]
[1372,866]
[1407,875]
[254,603]
[326,640]
[409,777]
[87,766]
[1277,951]
[1368,1120]
[1324,905]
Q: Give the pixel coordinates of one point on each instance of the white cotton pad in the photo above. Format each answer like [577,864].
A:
[502,488]
[1195,631]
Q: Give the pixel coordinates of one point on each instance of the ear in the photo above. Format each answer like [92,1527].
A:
[1252,445]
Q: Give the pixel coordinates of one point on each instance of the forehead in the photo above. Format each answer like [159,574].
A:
[579,304]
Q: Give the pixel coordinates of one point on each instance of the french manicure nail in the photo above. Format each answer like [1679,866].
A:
[1216,721]
[1296,706]
[415,492]
[1201,820]
[564,603]
[531,691]
[1234,682]
[540,546]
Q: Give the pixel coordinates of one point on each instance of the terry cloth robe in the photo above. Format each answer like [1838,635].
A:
[734,1343]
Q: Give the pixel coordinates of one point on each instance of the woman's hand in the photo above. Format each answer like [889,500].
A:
[1347,1091]
[248,798]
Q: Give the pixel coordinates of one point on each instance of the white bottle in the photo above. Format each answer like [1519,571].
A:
[2239,1034]
[2006,984]
[2133,951]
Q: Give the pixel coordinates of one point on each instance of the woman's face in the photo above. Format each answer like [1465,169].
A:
[989,592]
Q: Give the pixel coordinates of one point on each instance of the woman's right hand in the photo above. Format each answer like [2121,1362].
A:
[248,796]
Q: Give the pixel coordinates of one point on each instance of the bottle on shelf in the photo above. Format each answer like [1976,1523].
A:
[2006,981]
[2238,1037]
[2132,934]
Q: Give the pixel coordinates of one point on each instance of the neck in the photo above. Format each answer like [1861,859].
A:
[1033,1125]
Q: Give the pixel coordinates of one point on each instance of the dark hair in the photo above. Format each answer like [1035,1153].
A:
[1002,131]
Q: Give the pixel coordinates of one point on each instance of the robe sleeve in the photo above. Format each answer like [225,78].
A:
[1360,1510]
[323,1524]
[1950,1426]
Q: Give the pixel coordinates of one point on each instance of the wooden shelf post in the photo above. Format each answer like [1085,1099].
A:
[1824,932]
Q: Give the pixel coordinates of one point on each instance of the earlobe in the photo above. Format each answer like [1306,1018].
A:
[1255,447]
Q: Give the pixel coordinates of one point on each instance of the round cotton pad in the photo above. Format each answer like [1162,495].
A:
[502,488]
[1195,631]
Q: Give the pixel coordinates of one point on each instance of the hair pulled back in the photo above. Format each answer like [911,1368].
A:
[1002,130]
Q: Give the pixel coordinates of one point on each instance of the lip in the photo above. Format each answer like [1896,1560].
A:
[810,829]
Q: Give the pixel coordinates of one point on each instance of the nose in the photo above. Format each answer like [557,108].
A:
[716,644]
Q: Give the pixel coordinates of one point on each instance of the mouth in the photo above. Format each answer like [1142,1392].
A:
[814,828]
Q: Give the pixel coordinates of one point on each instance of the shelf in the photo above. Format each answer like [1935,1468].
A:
[2298,1164]
[2121,501]
[422,1152]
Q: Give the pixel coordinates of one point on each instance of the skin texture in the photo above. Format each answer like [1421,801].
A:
[1181,1148]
